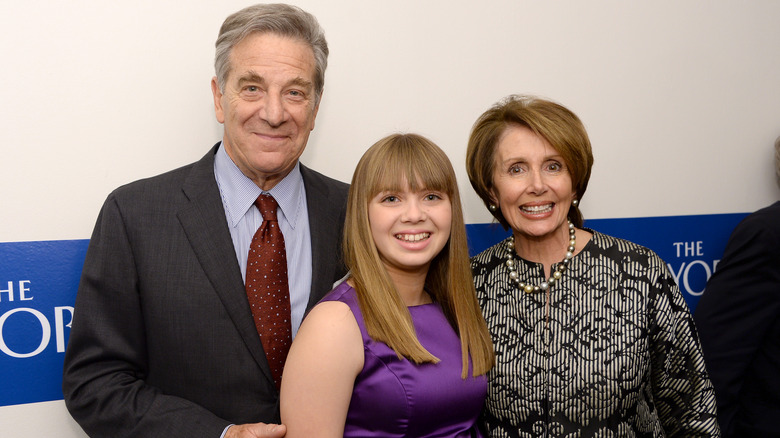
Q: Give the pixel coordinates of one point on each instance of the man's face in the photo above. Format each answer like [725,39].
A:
[268,105]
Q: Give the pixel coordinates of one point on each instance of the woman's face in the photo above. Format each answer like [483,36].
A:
[410,228]
[531,184]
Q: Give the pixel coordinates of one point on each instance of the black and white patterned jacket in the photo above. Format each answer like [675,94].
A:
[618,356]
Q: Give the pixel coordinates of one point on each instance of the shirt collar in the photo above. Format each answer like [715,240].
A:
[239,192]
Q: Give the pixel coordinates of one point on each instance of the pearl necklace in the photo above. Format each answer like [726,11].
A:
[556,274]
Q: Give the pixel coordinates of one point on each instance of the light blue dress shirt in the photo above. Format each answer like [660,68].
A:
[238,196]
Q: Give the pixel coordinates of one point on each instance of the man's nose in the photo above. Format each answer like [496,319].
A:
[273,110]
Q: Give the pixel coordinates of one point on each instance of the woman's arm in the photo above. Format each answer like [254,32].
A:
[682,391]
[320,372]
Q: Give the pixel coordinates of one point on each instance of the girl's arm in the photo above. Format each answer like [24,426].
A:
[320,371]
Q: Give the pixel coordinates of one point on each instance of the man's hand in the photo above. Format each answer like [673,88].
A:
[256,430]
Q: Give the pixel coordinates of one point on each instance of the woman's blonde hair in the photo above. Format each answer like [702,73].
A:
[388,165]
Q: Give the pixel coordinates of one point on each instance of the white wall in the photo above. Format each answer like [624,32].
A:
[681,100]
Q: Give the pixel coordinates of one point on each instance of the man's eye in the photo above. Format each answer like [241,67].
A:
[296,95]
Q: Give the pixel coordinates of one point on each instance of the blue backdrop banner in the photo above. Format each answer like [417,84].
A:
[38,283]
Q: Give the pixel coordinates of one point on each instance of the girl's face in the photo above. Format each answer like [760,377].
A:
[410,228]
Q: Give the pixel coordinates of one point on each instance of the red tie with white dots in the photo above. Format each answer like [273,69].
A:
[267,290]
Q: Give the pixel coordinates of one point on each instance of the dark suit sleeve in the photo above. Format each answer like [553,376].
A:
[737,310]
[106,362]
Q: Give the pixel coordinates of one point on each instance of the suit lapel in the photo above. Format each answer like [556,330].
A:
[326,222]
[205,225]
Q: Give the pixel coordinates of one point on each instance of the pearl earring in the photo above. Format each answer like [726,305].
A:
[493,207]
[575,203]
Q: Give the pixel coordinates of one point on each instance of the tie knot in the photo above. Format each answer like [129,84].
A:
[267,206]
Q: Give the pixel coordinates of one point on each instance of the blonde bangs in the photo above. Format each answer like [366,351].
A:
[418,161]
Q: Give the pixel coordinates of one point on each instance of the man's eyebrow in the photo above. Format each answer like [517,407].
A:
[301,82]
[251,76]
[254,77]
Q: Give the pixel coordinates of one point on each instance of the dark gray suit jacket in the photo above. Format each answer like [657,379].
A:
[162,342]
[738,318]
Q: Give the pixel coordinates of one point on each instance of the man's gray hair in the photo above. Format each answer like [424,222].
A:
[279,19]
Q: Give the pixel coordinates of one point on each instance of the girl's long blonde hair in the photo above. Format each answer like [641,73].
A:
[387,165]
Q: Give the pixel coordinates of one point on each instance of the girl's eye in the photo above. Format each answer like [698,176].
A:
[390,198]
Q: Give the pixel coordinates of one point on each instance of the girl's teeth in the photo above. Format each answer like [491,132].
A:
[412,237]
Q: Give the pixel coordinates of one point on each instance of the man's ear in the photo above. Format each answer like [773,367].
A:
[217,93]
[316,110]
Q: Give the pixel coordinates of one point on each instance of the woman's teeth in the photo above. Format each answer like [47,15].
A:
[537,208]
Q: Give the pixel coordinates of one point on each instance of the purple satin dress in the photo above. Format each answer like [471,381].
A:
[393,397]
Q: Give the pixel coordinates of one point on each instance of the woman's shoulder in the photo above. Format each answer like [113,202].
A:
[605,241]
[620,250]
[495,252]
